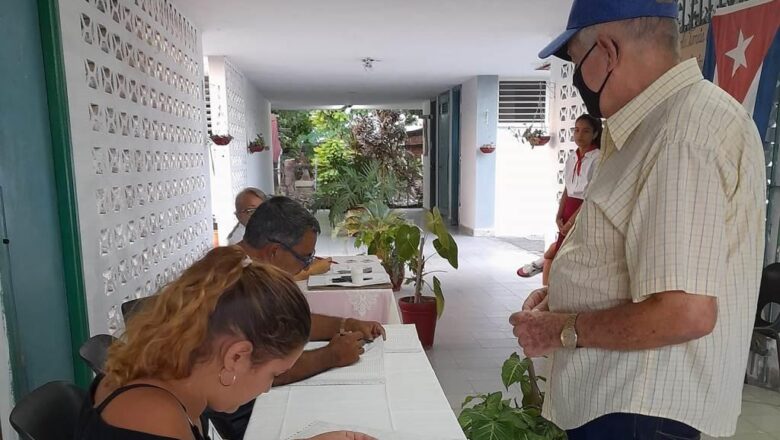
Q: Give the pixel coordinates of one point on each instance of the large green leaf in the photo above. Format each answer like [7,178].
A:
[493,430]
[439,227]
[439,297]
[513,370]
[470,417]
[448,249]
[407,241]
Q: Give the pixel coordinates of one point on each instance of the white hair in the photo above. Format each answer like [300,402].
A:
[255,191]
[660,32]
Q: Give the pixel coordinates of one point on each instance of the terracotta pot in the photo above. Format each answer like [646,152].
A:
[422,315]
[255,148]
[487,149]
[221,140]
[538,141]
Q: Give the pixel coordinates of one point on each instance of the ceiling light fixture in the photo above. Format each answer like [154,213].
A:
[368,63]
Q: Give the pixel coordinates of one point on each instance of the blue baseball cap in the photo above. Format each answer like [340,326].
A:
[586,13]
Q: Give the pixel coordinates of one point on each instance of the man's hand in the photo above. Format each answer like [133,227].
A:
[319,266]
[342,435]
[345,349]
[537,301]
[566,228]
[560,224]
[539,333]
[370,329]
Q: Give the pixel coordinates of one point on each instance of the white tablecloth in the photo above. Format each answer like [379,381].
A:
[364,304]
[411,400]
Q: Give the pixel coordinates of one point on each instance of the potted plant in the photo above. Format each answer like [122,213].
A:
[355,187]
[490,416]
[257,145]
[221,139]
[535,137]
[377,228]
[420,310]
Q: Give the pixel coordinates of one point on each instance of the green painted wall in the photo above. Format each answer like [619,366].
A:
[27,181]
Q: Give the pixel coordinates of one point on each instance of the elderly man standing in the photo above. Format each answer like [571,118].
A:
[651,301]
[247,202]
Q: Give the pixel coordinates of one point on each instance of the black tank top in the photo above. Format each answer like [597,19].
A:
[91,425]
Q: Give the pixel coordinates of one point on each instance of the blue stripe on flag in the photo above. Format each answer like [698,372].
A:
[765,94]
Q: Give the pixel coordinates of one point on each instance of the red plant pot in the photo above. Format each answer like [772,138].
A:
[255,148]
[221,140]
[538,141]
[422,315]
[487,149]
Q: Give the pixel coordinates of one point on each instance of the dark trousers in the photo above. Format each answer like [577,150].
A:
[633,427]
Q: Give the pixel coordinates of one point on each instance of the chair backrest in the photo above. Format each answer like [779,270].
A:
[95,351]
[132,306]
[49,412]
[768,293]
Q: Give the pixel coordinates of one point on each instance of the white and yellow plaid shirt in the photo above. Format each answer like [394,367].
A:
[677,204]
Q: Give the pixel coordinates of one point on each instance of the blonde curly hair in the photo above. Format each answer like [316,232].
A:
[224,293]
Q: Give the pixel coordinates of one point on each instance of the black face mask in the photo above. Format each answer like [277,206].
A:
[592,99]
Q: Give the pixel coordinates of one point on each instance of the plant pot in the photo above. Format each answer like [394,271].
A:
[422,315]
[538,141]
[255,148]
[221,140]
[487,149]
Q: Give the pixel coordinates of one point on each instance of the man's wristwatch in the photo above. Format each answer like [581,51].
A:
[569,333]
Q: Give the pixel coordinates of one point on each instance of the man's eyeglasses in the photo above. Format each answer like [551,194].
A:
[305,261]
[249,211]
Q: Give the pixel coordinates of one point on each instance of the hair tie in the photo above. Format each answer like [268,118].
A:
[246,261]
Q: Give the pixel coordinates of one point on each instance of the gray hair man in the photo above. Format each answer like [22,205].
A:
[247,202]
[649,311]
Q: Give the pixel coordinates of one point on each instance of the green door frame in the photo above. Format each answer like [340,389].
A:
[64,176]
[18,372]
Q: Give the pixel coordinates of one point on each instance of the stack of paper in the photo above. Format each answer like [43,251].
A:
[402,339]
[370,369]
[318,428]
[357,259]
[375,278]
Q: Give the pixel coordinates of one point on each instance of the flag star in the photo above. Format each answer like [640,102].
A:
[738,53]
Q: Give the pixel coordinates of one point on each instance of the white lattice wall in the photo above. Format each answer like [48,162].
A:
[236,119]
[566,107]
[240,110]
[135,90]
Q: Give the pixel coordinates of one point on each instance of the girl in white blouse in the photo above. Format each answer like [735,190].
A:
[578,172]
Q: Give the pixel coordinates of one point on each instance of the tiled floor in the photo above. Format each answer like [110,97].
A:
[473,338]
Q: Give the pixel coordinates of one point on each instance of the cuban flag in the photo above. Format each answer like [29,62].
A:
[743,55]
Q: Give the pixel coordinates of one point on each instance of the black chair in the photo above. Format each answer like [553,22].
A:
[50,412]
[95,351]
[132,306]
[769,293]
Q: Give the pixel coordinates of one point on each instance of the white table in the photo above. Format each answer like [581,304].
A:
[410,401]
[364,304]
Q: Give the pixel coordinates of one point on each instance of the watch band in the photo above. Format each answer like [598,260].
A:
[569,332]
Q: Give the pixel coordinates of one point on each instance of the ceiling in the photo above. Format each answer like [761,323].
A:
[306,53]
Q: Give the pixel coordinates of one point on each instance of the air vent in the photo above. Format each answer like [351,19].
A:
[208,104]
[521,101]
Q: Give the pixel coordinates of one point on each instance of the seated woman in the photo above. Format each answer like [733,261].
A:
[216,337]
